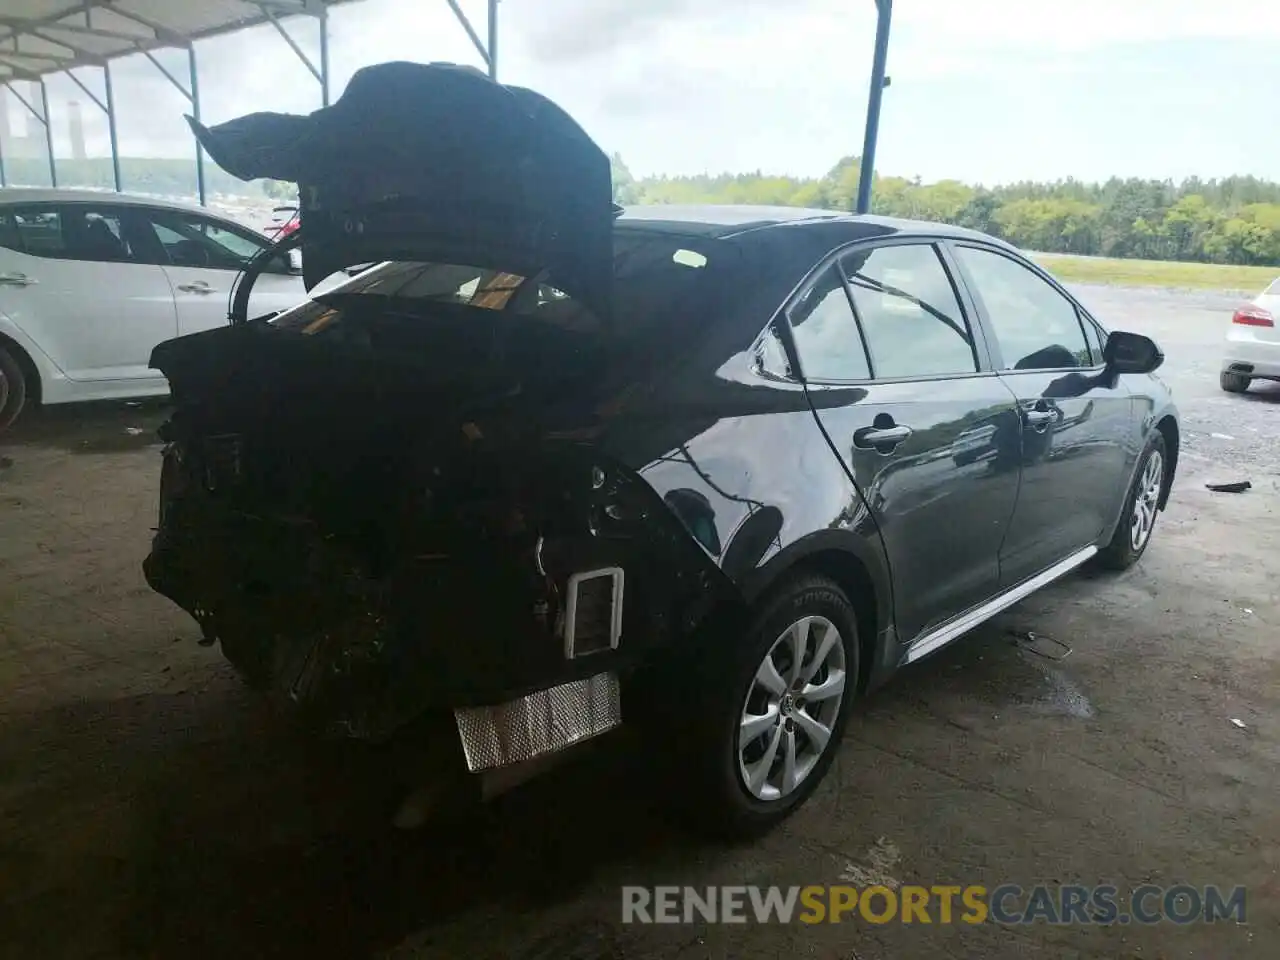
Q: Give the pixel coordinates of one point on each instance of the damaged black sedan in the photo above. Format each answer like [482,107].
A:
[551,465]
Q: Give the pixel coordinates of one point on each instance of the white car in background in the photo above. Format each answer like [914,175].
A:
[1253,342]
[91,281]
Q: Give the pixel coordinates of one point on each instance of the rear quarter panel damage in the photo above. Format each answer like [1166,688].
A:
[740,461]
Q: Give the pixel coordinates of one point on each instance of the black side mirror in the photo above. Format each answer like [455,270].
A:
[1131,353]
[289,262]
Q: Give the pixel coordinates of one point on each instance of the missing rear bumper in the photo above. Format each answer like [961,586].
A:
[540,724]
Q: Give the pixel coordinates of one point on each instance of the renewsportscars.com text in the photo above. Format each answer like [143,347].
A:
[1008,904]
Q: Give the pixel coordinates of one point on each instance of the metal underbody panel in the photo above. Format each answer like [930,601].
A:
[540,723]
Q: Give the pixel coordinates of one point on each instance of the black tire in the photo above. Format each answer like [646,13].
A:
[709,789]
[1122,553]
[13,389]
[1234,382]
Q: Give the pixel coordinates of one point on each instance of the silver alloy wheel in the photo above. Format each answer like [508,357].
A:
[791,708]
[1146,501]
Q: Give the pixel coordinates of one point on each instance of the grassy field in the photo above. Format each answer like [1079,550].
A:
[1158,273]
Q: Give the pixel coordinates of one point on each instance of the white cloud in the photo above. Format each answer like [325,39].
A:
[1075,25]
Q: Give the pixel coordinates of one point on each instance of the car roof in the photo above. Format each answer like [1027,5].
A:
[736,220]
[715,219]
[14,195]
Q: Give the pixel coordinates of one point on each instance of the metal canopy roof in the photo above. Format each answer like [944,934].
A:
[39,37]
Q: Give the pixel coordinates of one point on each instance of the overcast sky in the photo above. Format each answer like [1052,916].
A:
[985,91]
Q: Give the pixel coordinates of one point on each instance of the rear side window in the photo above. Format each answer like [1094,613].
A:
[910,313]
[95,235]
[36,231]
[825,331]
[771,356]
[68,233]
[9,232]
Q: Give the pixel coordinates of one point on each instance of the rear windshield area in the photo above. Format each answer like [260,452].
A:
[659,280]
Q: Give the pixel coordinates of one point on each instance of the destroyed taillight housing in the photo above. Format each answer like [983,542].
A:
[593,612]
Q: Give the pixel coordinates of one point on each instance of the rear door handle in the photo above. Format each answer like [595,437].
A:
[880,439]
[195,286]
[1038,419]
[16,280]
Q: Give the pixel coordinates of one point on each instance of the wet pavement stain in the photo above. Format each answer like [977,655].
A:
[1063,698]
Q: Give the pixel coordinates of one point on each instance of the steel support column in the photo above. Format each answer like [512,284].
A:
[884,14]
[194,97]
[112,132]
[109,108]
[492,53]
[43,118]
[48,133]
[324,56]
[488,51]
[321,73]
[192,93]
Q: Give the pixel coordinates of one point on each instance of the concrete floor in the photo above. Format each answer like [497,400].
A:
[149,808]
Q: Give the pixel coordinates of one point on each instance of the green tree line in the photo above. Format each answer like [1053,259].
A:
[1233,220]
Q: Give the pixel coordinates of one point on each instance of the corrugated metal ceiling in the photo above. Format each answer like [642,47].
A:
[39,37]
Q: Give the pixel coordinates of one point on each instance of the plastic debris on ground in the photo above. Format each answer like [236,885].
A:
[1235,486]
[1041,645]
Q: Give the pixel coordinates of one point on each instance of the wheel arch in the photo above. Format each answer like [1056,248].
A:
[1168,428]
[30,372]
[1165,426]
[857,569]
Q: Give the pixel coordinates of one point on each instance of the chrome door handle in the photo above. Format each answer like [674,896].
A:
[16,280]
[195,286]
[1038,419]
[880,439]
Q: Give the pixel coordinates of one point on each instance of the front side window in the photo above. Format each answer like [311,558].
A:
[1097,340]
[825,332]
[1036,327]
[193,241]
[910,313]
